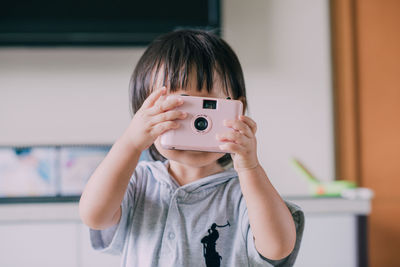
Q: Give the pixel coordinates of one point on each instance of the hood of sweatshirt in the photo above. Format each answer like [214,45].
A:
[160,172]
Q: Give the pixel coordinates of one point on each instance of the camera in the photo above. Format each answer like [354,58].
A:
[204,120]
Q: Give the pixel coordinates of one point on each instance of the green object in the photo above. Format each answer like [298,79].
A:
[319,188]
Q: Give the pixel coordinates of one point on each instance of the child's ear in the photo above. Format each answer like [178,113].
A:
[243,100]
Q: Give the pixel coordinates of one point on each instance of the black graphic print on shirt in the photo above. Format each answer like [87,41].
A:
[211,256]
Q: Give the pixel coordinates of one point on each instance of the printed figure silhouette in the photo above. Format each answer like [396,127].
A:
[212,257]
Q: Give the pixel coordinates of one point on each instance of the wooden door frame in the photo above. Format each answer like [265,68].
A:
[345,90]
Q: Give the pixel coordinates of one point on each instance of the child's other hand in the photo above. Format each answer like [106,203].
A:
[242,142]
[156,116]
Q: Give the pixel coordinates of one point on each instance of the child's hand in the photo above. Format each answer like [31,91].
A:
[155,117]
[242,142]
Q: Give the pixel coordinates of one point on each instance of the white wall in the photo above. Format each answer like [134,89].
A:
[80,95]
[64,95]
[284,47]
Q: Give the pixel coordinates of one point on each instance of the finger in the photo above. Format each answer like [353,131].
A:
[252,124]
[162,127]
[164,105]
[239,126]
[232,136]
[232,148]
[152,98]
[160,99]
[168,116]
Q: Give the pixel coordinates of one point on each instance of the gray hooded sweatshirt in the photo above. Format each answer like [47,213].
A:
[203,223]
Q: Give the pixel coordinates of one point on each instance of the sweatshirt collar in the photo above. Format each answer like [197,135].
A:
[160,173]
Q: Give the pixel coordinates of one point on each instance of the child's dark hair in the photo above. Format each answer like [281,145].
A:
[179,54]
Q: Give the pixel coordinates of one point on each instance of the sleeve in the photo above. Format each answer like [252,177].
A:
[256,258]
[112,239]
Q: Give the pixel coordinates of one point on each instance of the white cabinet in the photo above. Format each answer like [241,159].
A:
[329,241]
[332,235]
[49,244]
[41,235]
[38,244]
[47,235]
[90,257]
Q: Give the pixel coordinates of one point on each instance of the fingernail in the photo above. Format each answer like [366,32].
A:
[183,114]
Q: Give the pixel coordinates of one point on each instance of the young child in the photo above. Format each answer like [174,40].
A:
[188,208]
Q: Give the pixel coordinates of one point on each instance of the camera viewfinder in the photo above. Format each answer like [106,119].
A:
[209,104]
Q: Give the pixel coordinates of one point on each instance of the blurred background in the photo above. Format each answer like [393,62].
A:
[323,84]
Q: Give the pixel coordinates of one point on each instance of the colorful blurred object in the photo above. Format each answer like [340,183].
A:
[321,188]
[77,165]
[27,172]
[47,170]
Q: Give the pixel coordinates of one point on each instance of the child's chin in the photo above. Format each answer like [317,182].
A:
[190,157]
[194,153]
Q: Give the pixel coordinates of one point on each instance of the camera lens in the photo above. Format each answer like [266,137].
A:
[201,123]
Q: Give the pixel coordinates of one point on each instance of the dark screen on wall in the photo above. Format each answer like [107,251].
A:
[100,21]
